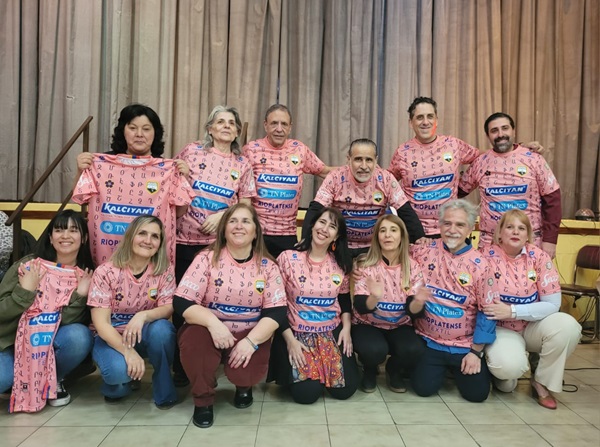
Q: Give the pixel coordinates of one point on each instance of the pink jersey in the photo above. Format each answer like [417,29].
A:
[35,365]
[118,188]
[428,173]
[236,293]
[278,175]
[219,180]
[360,203]
[312,289]
[515,179]
[390,311]
[522,280]
[460,285]
[125,295]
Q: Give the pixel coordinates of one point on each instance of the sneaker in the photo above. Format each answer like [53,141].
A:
[112,400]
[369,380]
[506,386]
[62,396]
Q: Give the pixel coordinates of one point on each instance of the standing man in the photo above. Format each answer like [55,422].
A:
[363,191]
[278,164]
[453,324]
[512,177]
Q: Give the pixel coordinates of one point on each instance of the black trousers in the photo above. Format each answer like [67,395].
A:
[277,244]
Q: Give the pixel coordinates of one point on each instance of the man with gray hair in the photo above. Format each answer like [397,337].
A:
[453,325]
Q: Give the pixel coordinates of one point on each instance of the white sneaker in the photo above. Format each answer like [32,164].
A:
[62,396]
[506,386]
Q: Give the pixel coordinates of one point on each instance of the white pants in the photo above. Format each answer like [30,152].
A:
[554,338]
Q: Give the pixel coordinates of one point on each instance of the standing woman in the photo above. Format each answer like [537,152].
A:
[131,299]
[232,299]
[527,311]
[46,293]
[381,322]
[220,177]
[319,352]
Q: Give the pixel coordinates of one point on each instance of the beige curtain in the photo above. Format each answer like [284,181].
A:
[346,68]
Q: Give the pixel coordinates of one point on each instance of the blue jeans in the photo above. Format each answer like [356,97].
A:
[158,345]
[72,343]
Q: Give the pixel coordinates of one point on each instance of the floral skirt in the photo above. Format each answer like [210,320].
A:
[323,361]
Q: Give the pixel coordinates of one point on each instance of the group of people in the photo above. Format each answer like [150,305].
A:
[195,262]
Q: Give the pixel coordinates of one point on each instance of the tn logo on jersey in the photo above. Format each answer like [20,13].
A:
[234,174]
[448,157]
[521,170]
[336,279]
[152,187]
[153,294]
[464,279]
[295,159]
[377,196]
[259,285]
[531,275]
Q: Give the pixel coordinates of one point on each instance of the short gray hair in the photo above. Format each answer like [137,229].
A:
[208,140]
[461,204]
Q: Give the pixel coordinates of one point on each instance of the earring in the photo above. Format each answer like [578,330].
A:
[333,246]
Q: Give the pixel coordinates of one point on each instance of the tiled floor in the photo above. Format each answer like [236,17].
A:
[379,419]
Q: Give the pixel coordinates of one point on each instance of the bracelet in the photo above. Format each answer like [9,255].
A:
[255,346]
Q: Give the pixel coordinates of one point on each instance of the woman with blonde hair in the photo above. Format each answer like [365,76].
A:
[527,310]
[131,297]
[388,282]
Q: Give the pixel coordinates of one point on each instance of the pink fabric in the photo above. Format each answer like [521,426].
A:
[360,203]
[461,285]
[428,174]
[35,365]
[522,280]
[125,295]
[235,293]
[390,311]
[118,188]
[219,180]
[278,176]
[312,289]
[516,179]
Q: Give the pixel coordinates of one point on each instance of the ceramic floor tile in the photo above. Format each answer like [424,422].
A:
[535,414]
[587,376]
[569,435]
[449,393]
[415,413]
[144,436]
[60,436]
[293,436]
[435,436]
[341,412]
[274,393]
[13,436]
[409,396]
[28,419]
[224,436]
[227,414]
[506,435]
[577,361]
[280,413]
[146,413]
[90,412]
[584,394]
[589,411]
[359,396]
[521,394]
[364,436]
[484,413]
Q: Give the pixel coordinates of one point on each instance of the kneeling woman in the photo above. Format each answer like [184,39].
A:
[389,281]
[232,300]
[319,344]
[131,299]
[527,311]
[40,295]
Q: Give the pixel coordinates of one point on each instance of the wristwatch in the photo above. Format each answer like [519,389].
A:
[477,353]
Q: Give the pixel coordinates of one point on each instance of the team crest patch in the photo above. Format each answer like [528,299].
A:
[490,282]
[521,170]
[295,159]
[235,174]
[259,285]
[531,275]
[549,265]
[153,294]
[152,187]
[377,196]
[464,279]
[448,157]
[336,279]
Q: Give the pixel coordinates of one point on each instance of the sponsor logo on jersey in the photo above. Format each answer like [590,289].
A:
[44,318]
[434,180]
[388,319]
[41,339]
[447,295]
[390,307]
[126,210]
[360,224]
[152,187]
[110,242]
[444,311]
[315,301]
[281,194]
[278,179]
[108,227]
[231,309]
[317,316]
[501,207]
[505,190]
[213,189]
[207,204]
[439,194]
[361,213]
[511,299]
[119,319]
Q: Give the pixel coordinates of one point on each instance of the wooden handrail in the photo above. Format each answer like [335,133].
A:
[16,215]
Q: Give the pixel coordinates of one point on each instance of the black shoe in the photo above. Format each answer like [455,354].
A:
[243,397]
[166,405]
[112,400]
[369,380]
[62,396]
[135,385]
[203,416]
[395,382]
[180,379]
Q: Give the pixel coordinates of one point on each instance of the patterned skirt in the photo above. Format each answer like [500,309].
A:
[323,361]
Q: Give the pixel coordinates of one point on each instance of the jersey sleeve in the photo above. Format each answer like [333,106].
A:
[247,185]
[548,280]
[545,178]
[166,287]
[469,179]
[274,293]
[85,188]
[313,164]
[396,195]
[326,193]
[100,293]
[468,153]
[181,192]
[394,167]
[416,277]
[194,283]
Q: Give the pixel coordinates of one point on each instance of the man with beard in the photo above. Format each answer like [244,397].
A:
[512,176]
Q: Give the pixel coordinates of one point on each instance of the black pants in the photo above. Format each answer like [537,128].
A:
[373,344]
[429,374]
[277,244]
